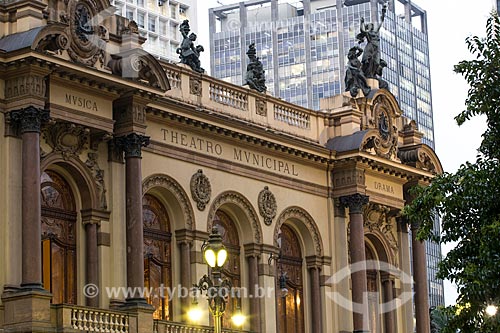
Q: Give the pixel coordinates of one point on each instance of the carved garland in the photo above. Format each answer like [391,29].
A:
[240,201]
[300,214]
[267,205]
[201,190]
[173,187]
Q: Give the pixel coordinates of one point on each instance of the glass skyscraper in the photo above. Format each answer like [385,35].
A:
[303,46]
[158,21]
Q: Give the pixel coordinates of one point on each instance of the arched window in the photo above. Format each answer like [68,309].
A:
[231,269]
[157,255]
[290,305]
[58,238]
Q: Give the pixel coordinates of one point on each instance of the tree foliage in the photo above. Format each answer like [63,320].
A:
[468,201]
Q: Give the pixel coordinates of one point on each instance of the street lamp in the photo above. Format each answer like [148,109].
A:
[491,310]
[216,287]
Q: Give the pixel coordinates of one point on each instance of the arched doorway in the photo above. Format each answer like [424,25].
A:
[157,255]
[231,269]
[290,303]
[58,238]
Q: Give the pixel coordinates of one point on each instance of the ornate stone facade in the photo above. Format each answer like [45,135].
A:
[277,172]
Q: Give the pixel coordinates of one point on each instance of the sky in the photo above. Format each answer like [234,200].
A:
[450,22]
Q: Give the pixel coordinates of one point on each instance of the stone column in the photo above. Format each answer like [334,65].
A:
[253,283]
[132,145]
[185,241]
[420,276]
[30,121]
[92,220]
[360,314]
[315,299]
[388,296]
[252,253]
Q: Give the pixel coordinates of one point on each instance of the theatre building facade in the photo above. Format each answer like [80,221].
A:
[115,168]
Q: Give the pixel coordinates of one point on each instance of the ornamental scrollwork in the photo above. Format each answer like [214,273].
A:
[201,190]
[267,205]
[67,139]
[98,175]
[384,142]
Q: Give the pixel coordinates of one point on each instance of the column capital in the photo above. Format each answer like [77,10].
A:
[253,250]
[94,216]
[316,262]
[30,119]
[184,236]
[387,277]
[132,144]
[355,202]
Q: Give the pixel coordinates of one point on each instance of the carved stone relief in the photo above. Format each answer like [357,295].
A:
[384,143]
[98,175]
[67,139]
[25,85]
[267,205]
[261,107]
[201,190]
[378,219]
[88,39]
[195,86]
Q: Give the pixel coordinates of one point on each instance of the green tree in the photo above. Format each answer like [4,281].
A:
[468,201]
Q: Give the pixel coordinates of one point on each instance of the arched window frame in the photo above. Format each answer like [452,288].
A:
[158,239]
[59,250]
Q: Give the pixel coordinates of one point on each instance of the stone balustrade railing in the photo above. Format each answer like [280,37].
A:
[172,327]
[231,97]
[214,95]
[77,318]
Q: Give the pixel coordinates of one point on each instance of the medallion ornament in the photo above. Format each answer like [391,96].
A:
[267,205]
[201,190]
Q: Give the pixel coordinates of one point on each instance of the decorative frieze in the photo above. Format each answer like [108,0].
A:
[25,85]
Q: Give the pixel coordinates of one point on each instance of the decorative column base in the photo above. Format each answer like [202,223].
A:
[27,311]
